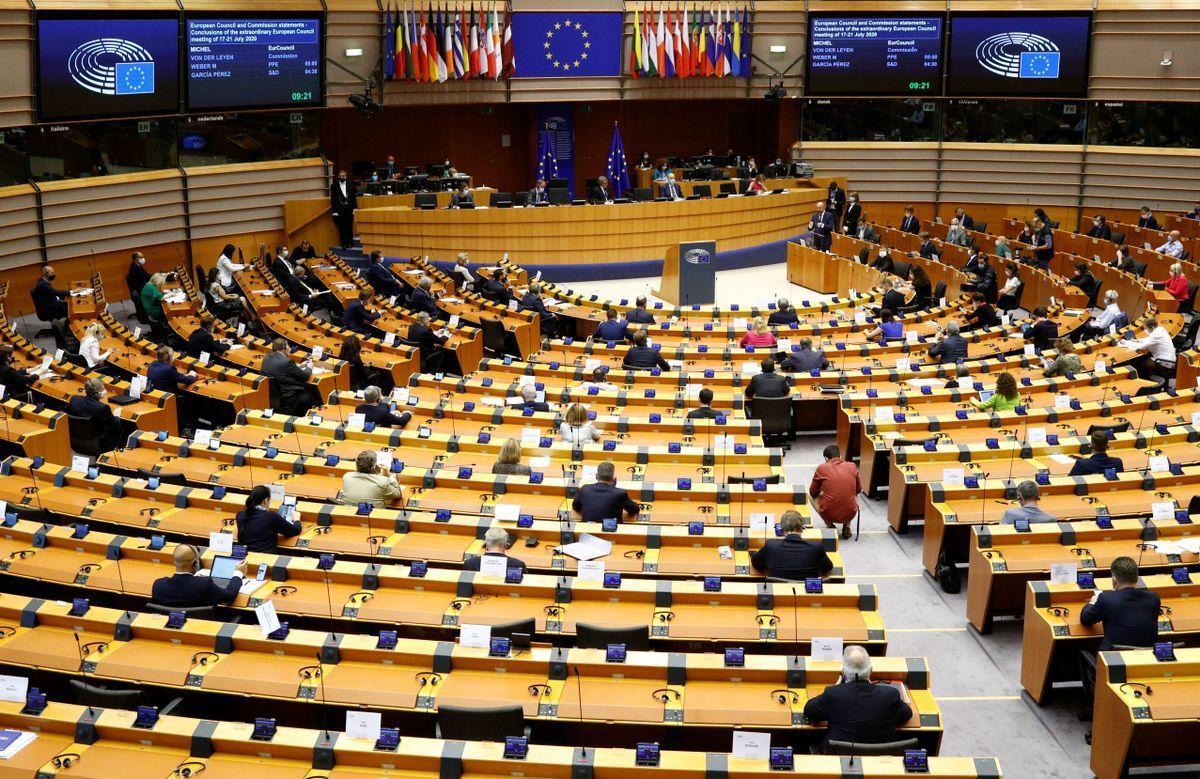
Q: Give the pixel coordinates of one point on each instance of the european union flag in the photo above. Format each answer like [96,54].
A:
[565,44]
[135,78]
[1040,64]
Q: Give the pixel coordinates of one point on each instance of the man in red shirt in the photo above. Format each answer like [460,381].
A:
[835,486]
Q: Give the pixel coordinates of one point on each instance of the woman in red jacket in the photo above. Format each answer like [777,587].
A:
[1176,283]
[759,335]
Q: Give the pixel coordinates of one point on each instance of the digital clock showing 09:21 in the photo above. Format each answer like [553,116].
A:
[301,97]
[920,86]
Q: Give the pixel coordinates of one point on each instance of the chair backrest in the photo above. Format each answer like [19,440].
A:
[1118,237]
[84,437]
[526,627]
[1094,292]
[520,198]
[900,268]
[980,227]
[835,747]
[1139,269]
[425,200]
[728,186]
[493,334]
[1053,225]
[939,291]
[774,413]
[492,723]
[502,199]
[193,612]
[86,694]
[703,190]
[556,184]
[643,193]
[1118,428]
[559,196]
[634,637]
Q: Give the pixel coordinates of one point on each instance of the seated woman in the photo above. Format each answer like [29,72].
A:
[226,305]
[889,327]
[1066,362]
[1005,398]
[1083,278]
[1123,261]
[1007,300]
[362,375]
[510,463]
[758,335]
[578,429]
[758,184]
[1176,283]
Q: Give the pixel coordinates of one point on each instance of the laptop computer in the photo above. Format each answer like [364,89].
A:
[224,568]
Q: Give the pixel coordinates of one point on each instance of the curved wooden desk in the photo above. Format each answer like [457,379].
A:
[567,235]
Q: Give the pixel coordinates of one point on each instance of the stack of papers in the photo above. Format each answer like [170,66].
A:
[588,547]
[13,741]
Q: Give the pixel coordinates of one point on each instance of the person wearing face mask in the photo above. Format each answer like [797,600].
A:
[646,163]
[281,266]
[853,215]
[137,274]
[661,172]
[259,528]
[538,194]
[184,589]
[91,405]
[1100,228]
[343,202]
[670,189]
[49,302]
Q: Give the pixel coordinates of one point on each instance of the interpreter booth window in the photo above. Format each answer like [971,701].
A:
[911,119]
[251,137]
[71,151]
[14,156]
[1014,121]
[1127,123]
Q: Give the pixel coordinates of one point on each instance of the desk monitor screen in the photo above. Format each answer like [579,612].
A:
[389,739]
[1086,580]
[224,567]
[253,61]
[735,657]
[1021,525]
[874,54]
[647,754]
[418,569]
[813,584]
[513,575]
[176,619]
[1164,652]
[916,761]
[264,729]
[782,759]
[612,580]
[515,747]
[157,542]
[525,520]
[499,647]
[712,583]
[79,607]
[239,551]
[146,717]
[1181,575]
[387,640]
[615,653]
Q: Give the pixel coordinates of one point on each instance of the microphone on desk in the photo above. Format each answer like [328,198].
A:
[320,674]
[579,695]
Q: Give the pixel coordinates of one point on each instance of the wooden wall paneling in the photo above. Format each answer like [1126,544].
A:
[19,243]
[1128,39]
[248,198]
[1118,177]
[878,171]
[16,75]
[350,24]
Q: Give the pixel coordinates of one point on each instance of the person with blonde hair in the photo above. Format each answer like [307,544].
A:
[152,297]
[577,429]
[758,335]
[510,463]
[1176,283]
[89,346]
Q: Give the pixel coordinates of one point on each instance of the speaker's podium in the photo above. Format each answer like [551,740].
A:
[689,274]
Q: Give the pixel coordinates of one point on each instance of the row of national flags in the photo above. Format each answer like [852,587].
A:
[681,43]
[438,43]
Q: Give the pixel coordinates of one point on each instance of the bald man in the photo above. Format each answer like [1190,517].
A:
[185,589]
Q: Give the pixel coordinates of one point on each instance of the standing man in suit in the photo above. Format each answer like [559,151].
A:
[853,215]
[1043,244]
[600,192]
[381,279]
[538,194]
[604,499]
[857,710]
[296,397]
[1129,613]
[670,189]
[821,226]
[185,589]
[964,219]
[137,274]
[836,202]
[791,557]
[343,202]
[910,223]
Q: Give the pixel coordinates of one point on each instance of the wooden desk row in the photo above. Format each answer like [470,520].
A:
[104,742]
[35,430]
[440,536]
[682,615]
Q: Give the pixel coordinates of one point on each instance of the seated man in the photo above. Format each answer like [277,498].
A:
[295,395]
[604,499]
[791,557]
[532,301]
[806,359]
[495,288]
[599,380]
[382,280]
[430,343]
[423,299]
[611,329]
[783,315]
[705,410]
[529,399]
[893,299]
[670,189]
[187,590]
[1099,461]
[369,482]
[643,357]
[857,710]
[1129,613]
[302,289]
[495,544]
[162,374]
[600,192]
[375,410]
[768,384]
[201,340]
[639,315]
[1043,331]
[92,406]
[950,347]
[359,318]
[462,197]
[1028,496]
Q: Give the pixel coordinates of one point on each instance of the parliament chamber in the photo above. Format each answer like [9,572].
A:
[599,391]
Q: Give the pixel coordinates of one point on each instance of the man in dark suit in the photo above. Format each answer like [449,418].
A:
[380,278]
[893,299]
[1100,228]
[538,194]
[529,399]
[950,347]
[806,359]
[462,197]
[300,288]
[910,223]
[642,356]
[431,345]
[639,315]
[836,200]
[495,289]
[858,711]
[600,192]
[495,544]
[378,412]
[422,298]
[201,340]
[1129,613]
[304,251]
[611,329]
[532,301]
[867,232]
[296,397]
[49,302]
[343,202]
[791,557]
[1147,219]
[1043,332]
[184,589]
[358,317]
[604,499]
[768,384]
[1099,461]
[705,409]
[928,248]
[821,226]
[985,279]
[783,315]
[91,405]
[671,189]
[964,219]
[137,274]
[163,375]
[282,266]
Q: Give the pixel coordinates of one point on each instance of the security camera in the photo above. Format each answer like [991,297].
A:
[365,104]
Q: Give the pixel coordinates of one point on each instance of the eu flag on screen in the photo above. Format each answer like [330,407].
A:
[134,78]
[564,44]
[1040,64]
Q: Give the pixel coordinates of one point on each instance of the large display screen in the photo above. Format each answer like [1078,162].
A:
[97,66]
[1019,55]
[253,62]
[874,54]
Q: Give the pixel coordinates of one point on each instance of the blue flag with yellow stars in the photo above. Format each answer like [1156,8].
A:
[565,44]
